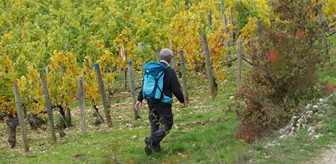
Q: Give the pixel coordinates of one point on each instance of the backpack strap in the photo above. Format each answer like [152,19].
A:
[164,72]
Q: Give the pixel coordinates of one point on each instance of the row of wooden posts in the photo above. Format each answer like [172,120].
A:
[106,106]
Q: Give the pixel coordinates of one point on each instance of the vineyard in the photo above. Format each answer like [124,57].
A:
[75,66]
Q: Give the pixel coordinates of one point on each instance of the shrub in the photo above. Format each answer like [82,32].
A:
[283,73]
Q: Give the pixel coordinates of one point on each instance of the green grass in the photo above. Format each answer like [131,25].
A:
[202,131]
[202,141]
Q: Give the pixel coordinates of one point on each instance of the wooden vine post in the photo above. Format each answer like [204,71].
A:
[20,115]
[239,66]
[140,46]
[67,110]
[158,54]
[323,33]
[123,55]
[184,78]
[232,26]
[103,95]
[131,81]
[228,55]
[173,59]
[125,78]
[208,65]
[209,17]
[82,102]
[224,17]
[49,110]
[108,97]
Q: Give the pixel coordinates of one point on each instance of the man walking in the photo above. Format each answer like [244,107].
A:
[160,113]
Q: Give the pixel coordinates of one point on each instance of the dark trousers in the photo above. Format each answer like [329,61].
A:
[161,121]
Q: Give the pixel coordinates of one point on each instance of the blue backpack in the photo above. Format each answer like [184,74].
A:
[153,83]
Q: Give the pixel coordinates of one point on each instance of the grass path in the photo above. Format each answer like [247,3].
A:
[327,156]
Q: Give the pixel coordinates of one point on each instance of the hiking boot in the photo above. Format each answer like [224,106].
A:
[156,148]
[149,143]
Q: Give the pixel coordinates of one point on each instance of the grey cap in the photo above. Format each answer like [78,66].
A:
[166,53]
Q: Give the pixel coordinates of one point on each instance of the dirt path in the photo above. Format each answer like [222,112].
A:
[328,156]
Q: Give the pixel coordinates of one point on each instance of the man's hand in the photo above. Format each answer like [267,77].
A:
[138,105]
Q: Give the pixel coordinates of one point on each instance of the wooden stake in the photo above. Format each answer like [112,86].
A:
[323,33]
[173,59]
[208,65]
[224,17]
[239,67]
[184,78]
[131,81]
[20,115]
[209,18]
[125,79]
[232,24]
[49,110]
[82,102]
[103,95]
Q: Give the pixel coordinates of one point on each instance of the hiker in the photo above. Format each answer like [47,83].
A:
[160,112]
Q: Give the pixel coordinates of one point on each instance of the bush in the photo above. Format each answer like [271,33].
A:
[283,73]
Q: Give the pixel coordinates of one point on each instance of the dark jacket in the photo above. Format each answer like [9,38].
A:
[171,85]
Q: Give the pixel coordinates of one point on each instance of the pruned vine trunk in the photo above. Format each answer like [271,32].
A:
[68,117]
[12,122]
[62,121]
[100,118]
[35,122]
